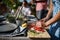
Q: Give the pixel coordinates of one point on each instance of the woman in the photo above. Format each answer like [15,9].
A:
[54,21]
[41,9]
[24,9]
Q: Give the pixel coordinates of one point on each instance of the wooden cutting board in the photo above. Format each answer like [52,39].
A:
[38,35]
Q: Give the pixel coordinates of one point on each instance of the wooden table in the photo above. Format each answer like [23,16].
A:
[30,36]
[40,36]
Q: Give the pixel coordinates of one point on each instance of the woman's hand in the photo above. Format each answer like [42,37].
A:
[44,19]
[41,23]
[38,23]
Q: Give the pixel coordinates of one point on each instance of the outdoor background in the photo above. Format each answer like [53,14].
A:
[9,5]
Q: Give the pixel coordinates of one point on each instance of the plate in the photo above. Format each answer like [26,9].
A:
[2,18]
[5,27]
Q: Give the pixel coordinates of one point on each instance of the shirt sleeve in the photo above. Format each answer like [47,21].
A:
[29,11]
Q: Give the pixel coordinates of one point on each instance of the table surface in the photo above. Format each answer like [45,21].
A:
[31,35]
[40,35]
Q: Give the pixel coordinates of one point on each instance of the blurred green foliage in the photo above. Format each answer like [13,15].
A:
[13,4]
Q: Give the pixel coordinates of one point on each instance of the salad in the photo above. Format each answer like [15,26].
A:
[35,28]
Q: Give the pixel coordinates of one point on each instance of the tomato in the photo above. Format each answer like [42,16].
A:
[39,28]
[31,26]
[36,28]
